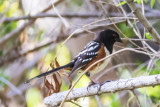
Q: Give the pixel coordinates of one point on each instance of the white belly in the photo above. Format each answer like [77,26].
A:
[101,67]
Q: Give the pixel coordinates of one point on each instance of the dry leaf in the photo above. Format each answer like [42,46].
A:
[55,86]
[49,86]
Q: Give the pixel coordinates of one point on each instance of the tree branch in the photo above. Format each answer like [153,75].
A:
[149,15]
[43,15]
[138,102]
[137,12]
[59,38]
[15,33]
[108,87]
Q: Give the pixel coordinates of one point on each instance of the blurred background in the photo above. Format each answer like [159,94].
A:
[32,33]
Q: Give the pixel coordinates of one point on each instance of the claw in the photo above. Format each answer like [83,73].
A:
[99,85]
[90,84]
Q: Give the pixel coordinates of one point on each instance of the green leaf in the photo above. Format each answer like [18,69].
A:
[122,3]
[152,3]
[148,36]
[7,27]
[158,63]
[126,30]
[138,1]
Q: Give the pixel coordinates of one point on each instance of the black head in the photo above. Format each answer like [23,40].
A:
[108,38]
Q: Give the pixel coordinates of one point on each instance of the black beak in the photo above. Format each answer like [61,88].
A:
[119,40]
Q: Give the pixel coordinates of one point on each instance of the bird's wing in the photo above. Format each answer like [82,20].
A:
[89,52]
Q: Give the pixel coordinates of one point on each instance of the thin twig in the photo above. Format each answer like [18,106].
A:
[116,66]
[137,12]
[59,38]
[148,15]
[125,49]
[15,33]
[75,103]
[98,101]
[136,39]
[59,15]
[136,98]
[9,84]
[129,100]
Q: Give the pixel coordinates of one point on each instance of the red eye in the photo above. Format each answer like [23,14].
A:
[114,35]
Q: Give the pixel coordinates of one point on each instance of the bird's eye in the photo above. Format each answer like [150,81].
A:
[114,36]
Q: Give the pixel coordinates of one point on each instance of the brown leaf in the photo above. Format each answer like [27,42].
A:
[62,71]
[52,65]
[49,86]
[48,93]
[58,84]
[56,62]
[57,65]
[55,86]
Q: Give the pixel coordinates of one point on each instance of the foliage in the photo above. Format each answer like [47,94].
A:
[31,50]
[152,3]
[122,3]
[148,36]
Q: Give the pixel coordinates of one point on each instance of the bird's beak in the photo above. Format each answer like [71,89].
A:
[119,40]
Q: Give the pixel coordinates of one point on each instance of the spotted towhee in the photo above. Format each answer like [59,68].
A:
[95,50]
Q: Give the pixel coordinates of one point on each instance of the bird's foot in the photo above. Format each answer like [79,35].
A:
[90,84]
[99,85]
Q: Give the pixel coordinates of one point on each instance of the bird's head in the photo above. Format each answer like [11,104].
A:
[108,37]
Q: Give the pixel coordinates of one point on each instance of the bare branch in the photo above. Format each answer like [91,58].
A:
[149,15]
[9,84]
[15,33]
[126,49]
[137,12]
[60,38]
[138,102]
[43,15]
[108,87]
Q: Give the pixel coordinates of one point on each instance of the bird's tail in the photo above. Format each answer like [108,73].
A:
[51,71]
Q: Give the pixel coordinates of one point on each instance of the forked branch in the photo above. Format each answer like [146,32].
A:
[138,13]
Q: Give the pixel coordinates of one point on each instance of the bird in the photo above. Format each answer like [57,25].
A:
[98,48]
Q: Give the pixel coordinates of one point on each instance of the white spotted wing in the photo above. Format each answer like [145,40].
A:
[89,52]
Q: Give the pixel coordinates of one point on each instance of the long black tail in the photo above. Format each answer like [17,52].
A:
[51,71]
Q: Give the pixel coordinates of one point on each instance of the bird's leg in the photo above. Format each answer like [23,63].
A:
[90,84]
[99,84]
[93,83]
